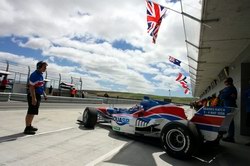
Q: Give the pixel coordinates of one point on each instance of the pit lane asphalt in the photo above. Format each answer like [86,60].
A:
[60,140]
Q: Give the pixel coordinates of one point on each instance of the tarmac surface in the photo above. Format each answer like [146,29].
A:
[60,140]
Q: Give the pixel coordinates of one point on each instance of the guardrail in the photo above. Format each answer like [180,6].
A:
[4,97]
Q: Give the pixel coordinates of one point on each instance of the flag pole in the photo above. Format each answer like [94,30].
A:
[189,16]
[184,63]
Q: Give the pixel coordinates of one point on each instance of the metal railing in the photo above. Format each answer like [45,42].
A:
[20,74]
[5,97]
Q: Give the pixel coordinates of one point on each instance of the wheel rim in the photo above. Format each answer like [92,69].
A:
[175,140]
[99,117]
[85,116]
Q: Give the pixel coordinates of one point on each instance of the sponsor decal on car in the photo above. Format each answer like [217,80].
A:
[116,128]
[120,120]
[219,111]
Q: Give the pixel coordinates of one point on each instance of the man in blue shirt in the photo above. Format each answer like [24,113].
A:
[36,89]
[228,97]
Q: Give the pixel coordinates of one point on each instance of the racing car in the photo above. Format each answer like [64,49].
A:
[180,136]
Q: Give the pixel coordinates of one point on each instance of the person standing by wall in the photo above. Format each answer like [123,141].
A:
[73,92]
[4,84]
[36,89]
[228,97]
[50,89]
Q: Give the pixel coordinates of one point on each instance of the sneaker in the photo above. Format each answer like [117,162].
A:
[33,128]
[228,139]
[28,130]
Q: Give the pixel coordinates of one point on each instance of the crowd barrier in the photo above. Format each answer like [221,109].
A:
[4,97]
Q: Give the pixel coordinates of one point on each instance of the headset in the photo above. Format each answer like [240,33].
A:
[40,64]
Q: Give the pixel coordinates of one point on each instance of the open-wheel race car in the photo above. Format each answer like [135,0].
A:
[179,135]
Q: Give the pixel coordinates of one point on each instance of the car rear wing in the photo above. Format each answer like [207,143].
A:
[211,121]
[228,119]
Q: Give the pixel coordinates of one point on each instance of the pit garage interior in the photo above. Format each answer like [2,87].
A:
[223,50]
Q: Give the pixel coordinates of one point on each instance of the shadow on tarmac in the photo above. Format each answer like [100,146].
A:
[209,152]
[81,127]
[142,150]
[12,137]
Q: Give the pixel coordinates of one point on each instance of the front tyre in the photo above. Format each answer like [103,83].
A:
[177,140]
[89,118]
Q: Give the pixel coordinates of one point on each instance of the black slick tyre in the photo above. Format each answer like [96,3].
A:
[177,140]
[89,118]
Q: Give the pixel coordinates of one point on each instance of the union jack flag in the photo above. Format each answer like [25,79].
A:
[155,12]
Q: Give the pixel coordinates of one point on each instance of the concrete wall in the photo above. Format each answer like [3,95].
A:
[235,73]
[245,85]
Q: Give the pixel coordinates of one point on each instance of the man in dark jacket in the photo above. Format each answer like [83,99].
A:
[228,97]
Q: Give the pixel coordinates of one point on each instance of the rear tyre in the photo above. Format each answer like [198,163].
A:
[177,140]
[89,118]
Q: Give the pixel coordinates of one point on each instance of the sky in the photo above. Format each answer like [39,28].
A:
[103,42]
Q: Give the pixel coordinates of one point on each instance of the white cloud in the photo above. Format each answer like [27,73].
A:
[51,26]
[36,43]
[20,59]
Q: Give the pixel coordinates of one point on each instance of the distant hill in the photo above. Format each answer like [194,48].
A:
[139,96]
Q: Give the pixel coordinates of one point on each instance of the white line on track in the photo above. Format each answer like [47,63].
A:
[205,161]
[27,136]
[109,154]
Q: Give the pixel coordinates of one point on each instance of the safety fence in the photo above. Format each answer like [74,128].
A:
[18,74]
[5,97]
